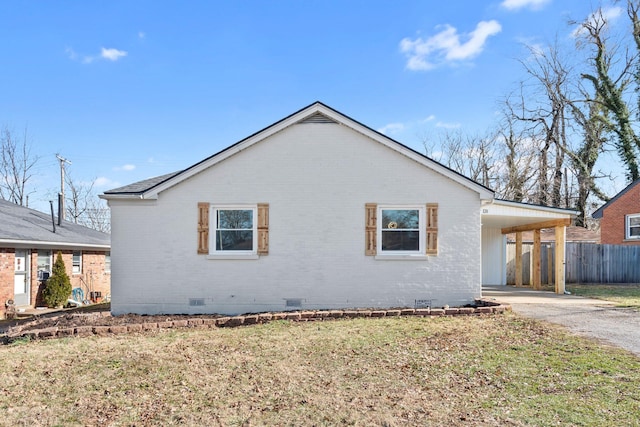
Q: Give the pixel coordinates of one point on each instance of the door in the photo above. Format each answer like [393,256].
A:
[21,290]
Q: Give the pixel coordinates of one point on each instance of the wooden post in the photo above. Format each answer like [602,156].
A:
[518,259]
[536,260]
[549,265]
[560,247]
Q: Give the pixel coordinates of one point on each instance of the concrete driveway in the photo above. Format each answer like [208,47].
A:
[584,316]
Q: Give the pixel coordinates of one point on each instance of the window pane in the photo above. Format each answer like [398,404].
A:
[232,240]
[44,261]
[400,240]
[235,219]
[77,261]
[634,231]
[634,221]
[400,219]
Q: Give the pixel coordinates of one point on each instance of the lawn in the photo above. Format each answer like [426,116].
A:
[484,370]
[625,295]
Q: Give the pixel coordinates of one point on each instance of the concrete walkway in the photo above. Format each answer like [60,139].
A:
[584,316]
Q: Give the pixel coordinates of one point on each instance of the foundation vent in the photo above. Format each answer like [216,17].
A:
[293,302]
[423,303]
[196,301]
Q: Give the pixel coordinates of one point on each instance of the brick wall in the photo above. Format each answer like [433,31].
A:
[612,224]
[92,278]
[6,278]
[317,179]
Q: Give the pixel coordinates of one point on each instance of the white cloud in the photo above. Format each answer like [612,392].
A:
[448,125]
[126,168]
[105,182]
[391,128]
[71,53]
[429,119]
[521,4]
[106,54]
[446,47]
[112,54]
[141,34]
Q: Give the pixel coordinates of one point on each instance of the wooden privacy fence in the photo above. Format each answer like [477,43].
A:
[585,263]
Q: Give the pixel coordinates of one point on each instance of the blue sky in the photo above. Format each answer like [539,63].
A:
[128,90]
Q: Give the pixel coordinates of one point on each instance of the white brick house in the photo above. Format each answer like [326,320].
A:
[315,211]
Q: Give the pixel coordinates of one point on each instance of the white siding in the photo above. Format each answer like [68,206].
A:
[316,179]
[493,257]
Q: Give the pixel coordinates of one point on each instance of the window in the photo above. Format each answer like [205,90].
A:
[77,262]
[235,230]
[44,264]
[107,262]
[633,226]
[401,230]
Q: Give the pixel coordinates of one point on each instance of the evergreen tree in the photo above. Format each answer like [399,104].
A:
[58,287]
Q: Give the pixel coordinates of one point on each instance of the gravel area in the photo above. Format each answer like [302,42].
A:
[584,316]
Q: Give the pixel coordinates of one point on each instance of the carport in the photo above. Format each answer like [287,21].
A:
[502,217]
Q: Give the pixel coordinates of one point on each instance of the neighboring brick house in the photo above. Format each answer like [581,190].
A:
[620,217]
[28,247]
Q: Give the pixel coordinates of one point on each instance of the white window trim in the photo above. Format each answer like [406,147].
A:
[418,255]
[627,227]
[50,260]
[213,228]
[73,266]
[107,254]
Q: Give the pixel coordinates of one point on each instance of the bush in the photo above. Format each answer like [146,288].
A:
[58,287]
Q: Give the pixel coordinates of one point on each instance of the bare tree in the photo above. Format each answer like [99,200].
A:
[611,87]
[542,105]
[84,207]
[471,155]
[16,165]
[516,180]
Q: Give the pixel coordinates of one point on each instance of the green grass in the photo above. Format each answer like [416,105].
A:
[625,295]
[494,370]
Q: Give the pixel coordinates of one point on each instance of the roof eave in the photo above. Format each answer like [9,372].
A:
[39,243]
[552,209]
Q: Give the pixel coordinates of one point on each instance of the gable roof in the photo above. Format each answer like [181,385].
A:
[20,226]
[314,113]
[600,211]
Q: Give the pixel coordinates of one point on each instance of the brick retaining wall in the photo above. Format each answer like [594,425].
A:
[483,307]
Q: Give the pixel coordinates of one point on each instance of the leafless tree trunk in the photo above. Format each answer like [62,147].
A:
[611,89]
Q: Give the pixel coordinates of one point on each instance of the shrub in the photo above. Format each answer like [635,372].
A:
[58,286]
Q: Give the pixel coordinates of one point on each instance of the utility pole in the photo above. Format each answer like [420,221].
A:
[61,201]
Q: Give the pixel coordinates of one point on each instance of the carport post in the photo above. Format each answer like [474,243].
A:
[560,249]
[536,260]
[518,259]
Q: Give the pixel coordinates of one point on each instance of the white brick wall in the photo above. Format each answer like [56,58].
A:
[316,179]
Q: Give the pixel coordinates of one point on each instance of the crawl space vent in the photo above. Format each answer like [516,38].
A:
[316,118]
[196,301]
[423,303]
[293,302]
